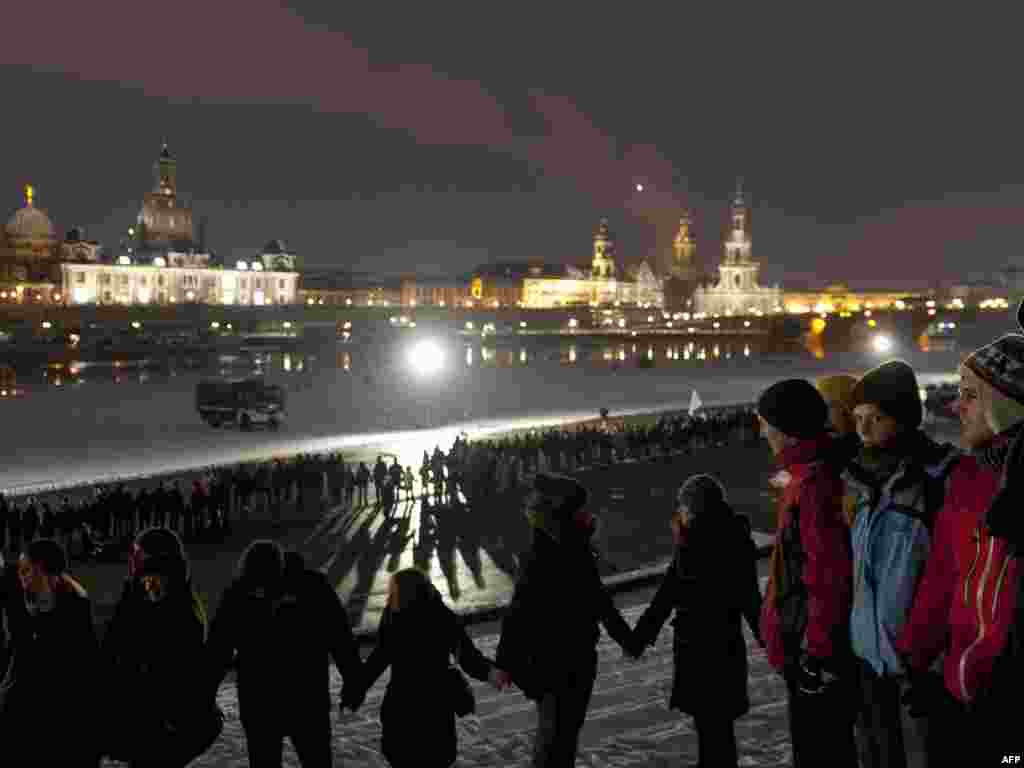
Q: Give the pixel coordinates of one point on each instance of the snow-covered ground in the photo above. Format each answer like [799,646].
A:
[100,429]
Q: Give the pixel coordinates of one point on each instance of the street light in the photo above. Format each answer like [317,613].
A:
[882,343]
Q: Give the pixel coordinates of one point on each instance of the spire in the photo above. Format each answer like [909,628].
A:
[738,202]
[685,247]
[30,194]
[604,251]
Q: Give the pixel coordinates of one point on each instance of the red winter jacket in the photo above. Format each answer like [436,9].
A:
[807,605]
[967,596]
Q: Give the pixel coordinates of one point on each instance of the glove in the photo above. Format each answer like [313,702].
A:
[811,676]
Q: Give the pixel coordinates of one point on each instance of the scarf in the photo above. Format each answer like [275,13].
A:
[1005,454]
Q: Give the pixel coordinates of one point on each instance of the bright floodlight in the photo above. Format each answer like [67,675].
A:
[882,343]
[426,357]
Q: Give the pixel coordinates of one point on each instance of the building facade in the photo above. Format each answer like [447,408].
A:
[28,252]
[163,264]
[737,291]
[603,284]
[838,298]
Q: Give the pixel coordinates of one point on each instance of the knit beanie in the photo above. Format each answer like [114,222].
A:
[837,389]
[702,495]
[892,386]
[565,499]
[164,554]
[1001,364]
[795,408]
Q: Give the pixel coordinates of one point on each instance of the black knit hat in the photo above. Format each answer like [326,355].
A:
[702,495]
[48,554]
[164,553]
[563,487]
[795,408]
[892,386]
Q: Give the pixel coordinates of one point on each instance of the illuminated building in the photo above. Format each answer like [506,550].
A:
[419,291]
[839,298]
[78,249]
[684,247]
[684,273]
[336,288]
[162,264]
[545,287]
[737,291]
[28,245]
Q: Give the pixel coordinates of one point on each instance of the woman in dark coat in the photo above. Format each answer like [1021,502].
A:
[550,631]
[711,583]
[162,713]
[48,717]
[418,635]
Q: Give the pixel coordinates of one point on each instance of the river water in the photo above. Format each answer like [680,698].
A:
[78,421]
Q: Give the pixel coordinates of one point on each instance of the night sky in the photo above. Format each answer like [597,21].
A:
[878,146]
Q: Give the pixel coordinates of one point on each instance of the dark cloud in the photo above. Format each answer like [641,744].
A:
[468,131]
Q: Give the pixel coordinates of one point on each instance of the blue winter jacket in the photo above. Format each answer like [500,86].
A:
[891,539]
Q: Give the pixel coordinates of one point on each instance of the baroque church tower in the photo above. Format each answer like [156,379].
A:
[737,291]
[603,266]
[738,271]
[684,246]
[164,220]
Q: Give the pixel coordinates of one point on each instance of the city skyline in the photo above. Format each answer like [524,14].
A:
[429,146]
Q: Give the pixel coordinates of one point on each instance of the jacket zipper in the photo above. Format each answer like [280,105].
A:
[981,619]
[999,586]
[974,564]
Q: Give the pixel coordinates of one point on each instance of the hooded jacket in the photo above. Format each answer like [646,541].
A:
[710,585]
[551,626]
[55,663]
[894,511]
[417,716]
[967,597]
[807,605]
[281,641]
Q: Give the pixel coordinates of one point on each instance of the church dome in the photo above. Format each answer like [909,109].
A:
[29,223]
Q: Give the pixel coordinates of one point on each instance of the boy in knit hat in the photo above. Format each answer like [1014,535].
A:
[898,482]
[805,614]
[968,599]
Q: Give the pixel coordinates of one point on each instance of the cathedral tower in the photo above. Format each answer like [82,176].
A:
[603,266]
[684,246]
[163,220]
[737,242]
[737,290]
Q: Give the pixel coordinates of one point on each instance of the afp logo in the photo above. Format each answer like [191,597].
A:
[1011,760]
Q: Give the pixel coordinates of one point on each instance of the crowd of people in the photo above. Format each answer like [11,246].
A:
[892,610]
[99,522]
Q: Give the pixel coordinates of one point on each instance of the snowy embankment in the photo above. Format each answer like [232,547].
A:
[102,430]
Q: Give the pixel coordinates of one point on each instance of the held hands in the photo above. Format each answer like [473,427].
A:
[633,649]
[811,676]
[499,679]
[352,697]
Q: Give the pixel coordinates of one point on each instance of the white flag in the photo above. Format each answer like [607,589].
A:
[695,402]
